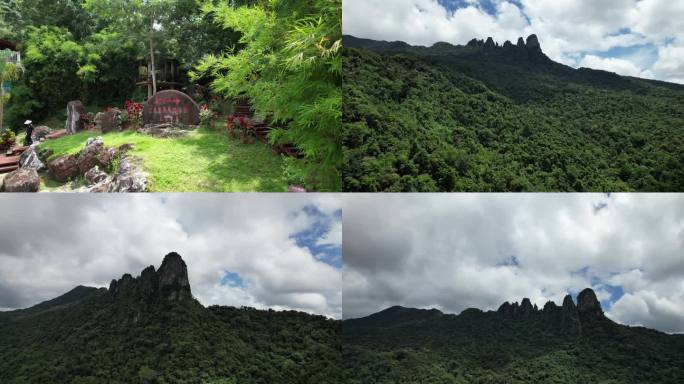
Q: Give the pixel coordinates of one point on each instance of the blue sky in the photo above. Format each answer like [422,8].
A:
[643,38]
[317,237]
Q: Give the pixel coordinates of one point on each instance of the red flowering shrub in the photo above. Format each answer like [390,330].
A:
[134,111]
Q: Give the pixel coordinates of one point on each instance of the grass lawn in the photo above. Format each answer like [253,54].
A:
[207,160]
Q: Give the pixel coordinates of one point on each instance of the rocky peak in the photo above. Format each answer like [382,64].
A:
[490,43]
[568,304]
[526,307]
[170,282]
[521,43]
[533,43]
[588,303]
[173,278]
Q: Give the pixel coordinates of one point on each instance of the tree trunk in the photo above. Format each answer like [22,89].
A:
[2,103]
[149,79]
[154,76]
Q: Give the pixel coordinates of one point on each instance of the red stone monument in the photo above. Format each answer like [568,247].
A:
[171,107]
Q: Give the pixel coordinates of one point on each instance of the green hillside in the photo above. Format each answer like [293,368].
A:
[484,117]
[150,330]
[517,344]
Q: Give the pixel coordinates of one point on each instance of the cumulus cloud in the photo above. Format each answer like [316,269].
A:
[574,32]
[52,244]
[458,251]
[611,64]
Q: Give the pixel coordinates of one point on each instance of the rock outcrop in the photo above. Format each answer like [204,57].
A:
[587,303]
[526,48]
[169,283]
[95,154]
[63,168]
[130,177]
[21,180]
[30,159]
[571,318]
[76,117]
[533,43]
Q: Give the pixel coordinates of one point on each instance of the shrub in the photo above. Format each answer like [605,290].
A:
[7,139]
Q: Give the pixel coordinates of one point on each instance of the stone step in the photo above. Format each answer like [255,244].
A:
[56,134]
[18,150]
[8,168]
[8,160]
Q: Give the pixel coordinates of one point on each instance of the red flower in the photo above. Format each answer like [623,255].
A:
[242,120]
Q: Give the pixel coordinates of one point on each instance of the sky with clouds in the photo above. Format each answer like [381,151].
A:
[457,251]
[280,251]
[643,38]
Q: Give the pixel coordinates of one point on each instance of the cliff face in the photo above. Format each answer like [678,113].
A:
[169,283]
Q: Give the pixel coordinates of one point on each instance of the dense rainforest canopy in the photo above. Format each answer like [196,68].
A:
[518,344]
[484,117]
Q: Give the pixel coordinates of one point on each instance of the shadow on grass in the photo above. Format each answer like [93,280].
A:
[229,165]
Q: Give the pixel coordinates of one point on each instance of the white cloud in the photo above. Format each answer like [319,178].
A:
[455,251]
[52,243]
[619,66]
[568,30]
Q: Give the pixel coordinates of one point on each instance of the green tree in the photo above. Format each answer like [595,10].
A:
[141,21]
[290,69]
[9,71]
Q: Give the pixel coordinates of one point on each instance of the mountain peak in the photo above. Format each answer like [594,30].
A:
[568,304]
[588,303]
[533,43]
[170,282]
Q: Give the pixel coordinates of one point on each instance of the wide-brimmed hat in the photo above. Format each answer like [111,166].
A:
[27,122]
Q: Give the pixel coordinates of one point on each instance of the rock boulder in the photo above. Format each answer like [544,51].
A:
[21,180]
[29,159]
[63,168]
[76,117]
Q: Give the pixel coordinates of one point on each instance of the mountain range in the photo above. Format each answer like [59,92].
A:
[150,329]
[490,117]
[518,343]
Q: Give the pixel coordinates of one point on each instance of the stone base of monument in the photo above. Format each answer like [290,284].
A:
[167,130]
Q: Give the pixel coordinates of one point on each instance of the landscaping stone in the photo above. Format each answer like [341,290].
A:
[40,132]
[63,168]
[95,176]
[123,148]
[21,180]
[164,130]
[130,176]
[94,154]
[108,121]
[171,107]
[29,159]
[76,117]
[43,153]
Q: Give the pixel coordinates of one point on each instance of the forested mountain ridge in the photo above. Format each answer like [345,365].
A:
[150,329]
[518,343]
[484,117]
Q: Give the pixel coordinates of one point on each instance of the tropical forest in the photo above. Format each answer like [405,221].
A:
[170,95]
[573,342]
[490,117]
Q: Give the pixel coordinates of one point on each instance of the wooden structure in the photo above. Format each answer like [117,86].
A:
[260,129]
[168,76]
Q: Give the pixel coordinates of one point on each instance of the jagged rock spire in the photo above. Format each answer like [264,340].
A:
[170,282]
[588,303]
[533,43]
[173,278]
